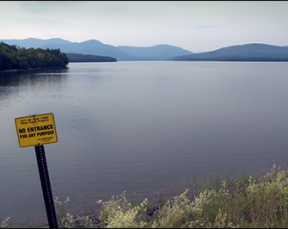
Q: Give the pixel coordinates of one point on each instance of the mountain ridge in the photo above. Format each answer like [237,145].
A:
[252,51]
[162,51]
[34,42]
[91,47]
[95,47]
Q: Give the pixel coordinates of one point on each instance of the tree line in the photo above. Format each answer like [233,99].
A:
[75,57]
[14,57]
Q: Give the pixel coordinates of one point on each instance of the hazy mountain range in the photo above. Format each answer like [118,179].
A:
[246,52]
[94,47]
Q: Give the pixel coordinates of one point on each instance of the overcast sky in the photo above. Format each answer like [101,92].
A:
[194,26]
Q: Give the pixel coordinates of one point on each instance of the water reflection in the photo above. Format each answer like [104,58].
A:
[14,79]
[13,84]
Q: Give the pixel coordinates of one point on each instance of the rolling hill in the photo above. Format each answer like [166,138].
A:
[247,52]
[157,52]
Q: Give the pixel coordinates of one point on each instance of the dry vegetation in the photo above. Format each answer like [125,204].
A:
[245,201]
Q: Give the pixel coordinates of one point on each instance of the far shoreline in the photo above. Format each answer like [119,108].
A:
[29,69]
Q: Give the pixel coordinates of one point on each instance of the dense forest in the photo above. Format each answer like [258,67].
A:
[75,57]
[13,57]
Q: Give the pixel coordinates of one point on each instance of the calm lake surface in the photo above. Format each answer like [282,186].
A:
[139,127]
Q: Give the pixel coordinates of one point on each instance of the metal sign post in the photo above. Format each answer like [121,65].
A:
[46,187]
[37,130]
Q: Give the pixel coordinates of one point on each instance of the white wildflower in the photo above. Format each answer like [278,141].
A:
[67,200]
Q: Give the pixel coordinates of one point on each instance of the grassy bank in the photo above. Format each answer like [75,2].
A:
[219,201]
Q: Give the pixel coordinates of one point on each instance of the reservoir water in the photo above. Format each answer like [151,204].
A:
[138,127]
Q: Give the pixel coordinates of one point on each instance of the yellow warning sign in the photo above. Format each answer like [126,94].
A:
[36,129]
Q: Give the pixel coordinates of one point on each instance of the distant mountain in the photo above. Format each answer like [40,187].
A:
[91,47]
[74,57]
[247,52]
[157,52]
[95,47]
[34,42]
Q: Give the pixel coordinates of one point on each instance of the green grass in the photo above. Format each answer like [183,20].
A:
[219,201]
